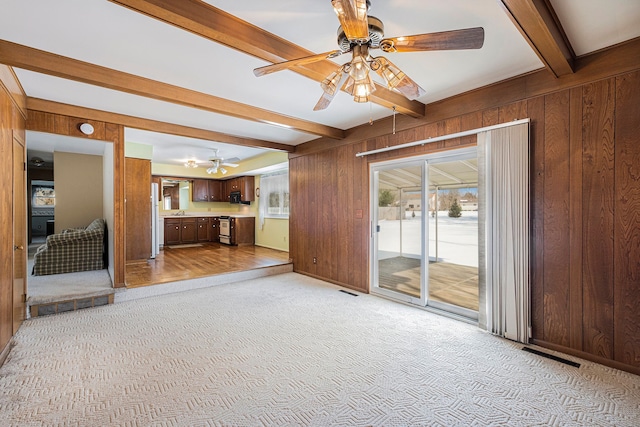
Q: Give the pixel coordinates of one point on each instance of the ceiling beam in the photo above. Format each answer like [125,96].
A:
[28,58]
[45,106]
[217,25]
[537,22]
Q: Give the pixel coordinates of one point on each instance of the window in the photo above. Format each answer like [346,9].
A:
[274,195]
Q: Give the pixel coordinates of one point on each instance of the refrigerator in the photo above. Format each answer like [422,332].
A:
[155,222]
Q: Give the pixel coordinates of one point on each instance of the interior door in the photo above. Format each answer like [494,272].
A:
[19,233]
[398,243]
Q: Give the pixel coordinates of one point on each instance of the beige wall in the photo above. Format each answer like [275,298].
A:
[79,190]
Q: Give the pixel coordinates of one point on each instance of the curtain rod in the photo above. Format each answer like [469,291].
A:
[444,137]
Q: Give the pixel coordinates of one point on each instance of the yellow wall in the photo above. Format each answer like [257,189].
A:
[78,183]
[275,231]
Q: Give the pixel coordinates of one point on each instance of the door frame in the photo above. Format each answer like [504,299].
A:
[374,170]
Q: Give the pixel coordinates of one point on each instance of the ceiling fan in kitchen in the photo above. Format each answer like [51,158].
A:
[359,33]
[218,163]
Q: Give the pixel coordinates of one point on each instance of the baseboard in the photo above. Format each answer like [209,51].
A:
[335,282]
[5,351]
[587,356]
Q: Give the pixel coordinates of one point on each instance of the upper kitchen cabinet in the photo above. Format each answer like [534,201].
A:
[243,184]
[247,188]
[207,190]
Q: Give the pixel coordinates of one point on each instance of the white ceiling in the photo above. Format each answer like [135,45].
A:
[110,35]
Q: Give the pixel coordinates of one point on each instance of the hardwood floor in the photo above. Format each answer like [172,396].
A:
[208,259]
[449,283]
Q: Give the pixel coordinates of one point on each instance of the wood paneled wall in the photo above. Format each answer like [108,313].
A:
[12,120]
[110,132]
[585,210]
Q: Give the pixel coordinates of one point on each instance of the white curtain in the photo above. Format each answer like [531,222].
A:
[503,159]
[274,192]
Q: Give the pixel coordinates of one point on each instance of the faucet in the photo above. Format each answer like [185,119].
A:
[180,213]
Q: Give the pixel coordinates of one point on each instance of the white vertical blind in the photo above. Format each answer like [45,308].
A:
[505,158]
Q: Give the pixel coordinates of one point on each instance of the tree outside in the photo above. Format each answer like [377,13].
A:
[386,197]
[455,211]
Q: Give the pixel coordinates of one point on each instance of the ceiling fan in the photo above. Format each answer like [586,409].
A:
[358,33]
[218,163]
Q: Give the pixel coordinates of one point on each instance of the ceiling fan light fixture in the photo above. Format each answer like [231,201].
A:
[360,90]
[190,164]
[330,83]
[391,74]
[223,171]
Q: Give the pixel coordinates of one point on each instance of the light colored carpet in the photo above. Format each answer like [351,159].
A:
[66,286]
[289,350]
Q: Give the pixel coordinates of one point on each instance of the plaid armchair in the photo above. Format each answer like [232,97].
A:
[78,249]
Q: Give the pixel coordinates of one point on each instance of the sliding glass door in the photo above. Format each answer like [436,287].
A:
[425,231]
[398,232]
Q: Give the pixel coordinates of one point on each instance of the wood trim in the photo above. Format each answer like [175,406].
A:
[115,133]
[36,104]
[219,26]
[68,68]
[11,84]
[538,24]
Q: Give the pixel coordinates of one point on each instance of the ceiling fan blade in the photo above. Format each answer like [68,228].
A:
[352,15]
[469,38]
[268,69]
[233,159]
[230,165]
[324,101]
[410,89]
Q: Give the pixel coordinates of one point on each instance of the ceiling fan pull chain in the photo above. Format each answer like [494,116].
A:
[394,119]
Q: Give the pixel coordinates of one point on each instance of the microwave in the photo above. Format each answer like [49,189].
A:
[236,198]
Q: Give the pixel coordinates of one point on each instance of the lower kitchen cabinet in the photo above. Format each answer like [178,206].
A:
[203,229]
[172,231]
[243,230]
[188,233]
[214,229]
[180,230]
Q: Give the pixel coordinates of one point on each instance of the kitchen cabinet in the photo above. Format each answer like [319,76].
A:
[172,231]
[207,190]
[180,230]
[214,229]
[244,184]
[188,233]
[242,230]
[203,229]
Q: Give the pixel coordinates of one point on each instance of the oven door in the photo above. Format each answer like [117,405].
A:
[225,230]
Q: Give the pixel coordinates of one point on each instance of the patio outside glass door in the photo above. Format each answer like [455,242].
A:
[398,232]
